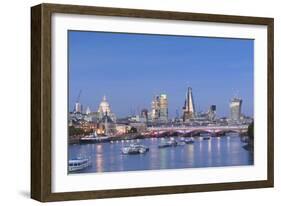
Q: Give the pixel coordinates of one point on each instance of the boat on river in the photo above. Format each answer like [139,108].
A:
[93,138]
[78,164]
[170,143]
[206,138]
[189,140]
[134,149]
[180,143]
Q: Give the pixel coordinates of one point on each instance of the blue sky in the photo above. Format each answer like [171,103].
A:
[131,68]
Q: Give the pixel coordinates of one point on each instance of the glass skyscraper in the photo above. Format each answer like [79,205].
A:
[188,108]
[235,109]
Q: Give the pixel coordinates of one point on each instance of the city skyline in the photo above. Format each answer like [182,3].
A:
[130,69]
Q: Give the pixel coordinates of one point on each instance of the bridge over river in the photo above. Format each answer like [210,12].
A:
[197,130]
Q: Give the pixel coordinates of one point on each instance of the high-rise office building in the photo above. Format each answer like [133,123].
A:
[188,108]
[163,108]
[212,112]
[155,113]
[78,107]
[144,115]
[159,108]
[235,109]
[88,111]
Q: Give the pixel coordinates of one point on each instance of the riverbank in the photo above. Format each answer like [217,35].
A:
[76,139]
[133,136]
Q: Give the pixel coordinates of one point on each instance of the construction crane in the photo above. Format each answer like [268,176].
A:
[77,107]
[78,97]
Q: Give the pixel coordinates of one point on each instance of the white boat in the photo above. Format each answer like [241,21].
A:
[93,138]
[134,149]
[78,164]
[181,143]
[189,140]
[170,143]
[182,139]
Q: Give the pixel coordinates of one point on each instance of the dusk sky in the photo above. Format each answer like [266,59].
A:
[131,68]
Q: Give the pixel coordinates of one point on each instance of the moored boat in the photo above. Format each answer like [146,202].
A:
[170,143]
[180,143]
[182,139]
[92,138]
[206,138]
[78,164]
[134,149]
[189,140]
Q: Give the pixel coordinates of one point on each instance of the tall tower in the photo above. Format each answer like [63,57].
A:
[78,107]
[235,109]
[159,108]
[188,108]
[163,103]
[155,108]
[212,112]
[88,111]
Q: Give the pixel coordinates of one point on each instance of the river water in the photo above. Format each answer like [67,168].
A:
[218,151]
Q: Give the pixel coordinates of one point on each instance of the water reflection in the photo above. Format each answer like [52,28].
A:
[190,154]
[99,158]
[162,159]
[217,151]
[210,156]
[218,144]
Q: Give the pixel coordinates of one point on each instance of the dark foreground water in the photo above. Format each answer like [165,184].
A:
[218,151]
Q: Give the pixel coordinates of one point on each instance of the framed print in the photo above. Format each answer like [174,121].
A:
[128,102]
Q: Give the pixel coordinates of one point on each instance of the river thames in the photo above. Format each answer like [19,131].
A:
[216,152]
